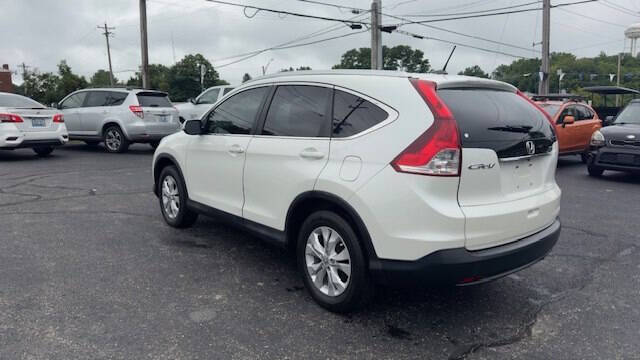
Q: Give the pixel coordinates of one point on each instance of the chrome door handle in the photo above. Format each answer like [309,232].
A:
[312,154]
[236,149]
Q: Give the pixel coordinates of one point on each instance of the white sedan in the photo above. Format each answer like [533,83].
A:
[25,123]
[195,108]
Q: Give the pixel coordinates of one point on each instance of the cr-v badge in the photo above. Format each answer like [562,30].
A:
[482,166]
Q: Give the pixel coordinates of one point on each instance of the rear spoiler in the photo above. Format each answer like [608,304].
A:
[477,84]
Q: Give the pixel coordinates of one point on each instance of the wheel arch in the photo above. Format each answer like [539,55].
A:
[161,162]
[113,122]
[309,202]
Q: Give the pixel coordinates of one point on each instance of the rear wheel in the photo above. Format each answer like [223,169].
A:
[114,140]
[173,199]
[43,150]
[332,263]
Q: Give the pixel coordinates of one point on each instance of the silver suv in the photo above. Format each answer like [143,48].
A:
[119,117]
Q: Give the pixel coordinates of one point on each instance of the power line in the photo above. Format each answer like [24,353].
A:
[592,18]
[473,12]
[258,52]
[283,12]
[425,37]
[619,8]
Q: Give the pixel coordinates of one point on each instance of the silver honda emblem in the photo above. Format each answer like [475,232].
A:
[531,147]
[631,137]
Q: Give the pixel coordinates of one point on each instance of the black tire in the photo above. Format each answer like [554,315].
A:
[184,217]
[114,140]
[92,143]
[584,157]
[43,151]
[154,144]
[360,287]
[595,171]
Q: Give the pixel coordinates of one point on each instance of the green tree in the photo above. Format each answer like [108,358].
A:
[159,77]
[401,57]
[246,77]
[301,68]
[101,79]
[474,70]
[184,77]
[42,87]
[69,82]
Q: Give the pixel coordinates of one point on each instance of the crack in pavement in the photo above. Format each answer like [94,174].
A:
[93,212]
[524,331]
[72,197]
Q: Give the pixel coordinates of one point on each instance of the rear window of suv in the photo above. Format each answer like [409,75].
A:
[497,120]
[153,99]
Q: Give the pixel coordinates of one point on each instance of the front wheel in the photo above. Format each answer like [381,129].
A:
[584,157]
[114,140]
[595,171]
[173,199]
[332,263]
[43,150]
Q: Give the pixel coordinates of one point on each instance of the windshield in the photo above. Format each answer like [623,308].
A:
[630,114]
[17,101]
[551,109]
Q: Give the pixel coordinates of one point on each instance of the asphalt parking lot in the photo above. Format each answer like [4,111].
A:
[89,270]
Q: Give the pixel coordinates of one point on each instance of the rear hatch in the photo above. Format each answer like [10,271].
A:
[35,120]
[159,114]
[509,153]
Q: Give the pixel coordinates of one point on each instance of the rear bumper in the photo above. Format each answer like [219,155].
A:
[461,267]
[12,138]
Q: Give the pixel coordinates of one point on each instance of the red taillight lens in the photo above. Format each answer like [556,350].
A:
[58,118]
[437,150]
[137,111]
[10,118]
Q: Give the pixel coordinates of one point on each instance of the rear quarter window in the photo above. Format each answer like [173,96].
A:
[153,99]
[353,114]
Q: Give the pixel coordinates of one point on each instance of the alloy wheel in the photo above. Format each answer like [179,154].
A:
[170,197]
[113,140]
[328,261]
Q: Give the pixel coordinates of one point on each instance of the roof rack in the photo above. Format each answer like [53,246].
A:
[558,97]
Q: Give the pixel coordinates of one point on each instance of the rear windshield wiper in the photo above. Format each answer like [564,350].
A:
[519,129]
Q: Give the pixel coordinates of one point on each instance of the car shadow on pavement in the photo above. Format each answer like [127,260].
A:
[143,149]
[23,155]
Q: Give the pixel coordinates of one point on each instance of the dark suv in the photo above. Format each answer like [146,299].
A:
[617,147]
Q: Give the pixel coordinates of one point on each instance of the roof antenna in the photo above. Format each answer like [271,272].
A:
[444,69]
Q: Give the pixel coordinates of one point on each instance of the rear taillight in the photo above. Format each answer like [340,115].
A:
[437,151]
[10,118]
[137,111]
[58,118]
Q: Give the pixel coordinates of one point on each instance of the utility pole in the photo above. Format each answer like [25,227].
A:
[24,67]
[546,37]
[376,35]
[618,78]
[107,32]
[144,70]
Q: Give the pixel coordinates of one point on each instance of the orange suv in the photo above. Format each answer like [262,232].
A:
[575,122]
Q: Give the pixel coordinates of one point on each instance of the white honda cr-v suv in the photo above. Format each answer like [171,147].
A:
[373,177]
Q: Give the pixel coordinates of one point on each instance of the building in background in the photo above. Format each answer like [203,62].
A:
[5,79]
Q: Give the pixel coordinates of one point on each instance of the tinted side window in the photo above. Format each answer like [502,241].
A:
[584,113]
[353,114]
[96,98]
[238,114]
[115,98]
[568,111]
[210,97]
[298,110]
[73,101]
[227,90]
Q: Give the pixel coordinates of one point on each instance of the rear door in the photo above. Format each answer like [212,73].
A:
[94,112]
[216,160]
[286,158]
[71,108]
[159,115]
[588,122]
[507,188]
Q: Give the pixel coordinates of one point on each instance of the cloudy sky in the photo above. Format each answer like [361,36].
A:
[40,33]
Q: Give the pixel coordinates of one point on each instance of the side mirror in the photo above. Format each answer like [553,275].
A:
[192,100]
[609,120]
[193,127]
[55,105]
[568,120]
